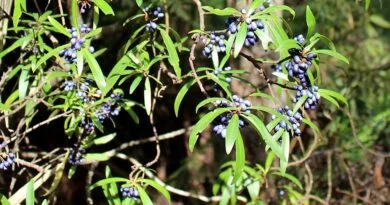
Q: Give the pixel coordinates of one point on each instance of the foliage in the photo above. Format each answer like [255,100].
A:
[56,74]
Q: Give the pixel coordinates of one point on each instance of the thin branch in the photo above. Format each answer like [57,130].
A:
[329,165]
[350,179]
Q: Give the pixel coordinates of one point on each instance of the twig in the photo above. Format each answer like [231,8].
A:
[173,189]
[329,165]
[351,183]
[91,172]
[151,120]
[61,12]
[3,79]
[354,196]
[45,122]
[196,39]
[29,165]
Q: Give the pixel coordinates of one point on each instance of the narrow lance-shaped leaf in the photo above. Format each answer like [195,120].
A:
[96,70]
[221,12]
[30,193]
[240,157]
[158,187]
[232,132]
[262,130]
[173,56]
[310,21]
[145,199]
[104,6]
[333,54]
[240,39]
[148,96]
[285,150]
[202,124]
[59,28]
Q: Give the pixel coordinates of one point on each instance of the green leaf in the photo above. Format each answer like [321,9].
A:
[59,28]
[75,11]
[221,12]
[333,94]
[104,139]
[96,70]
[332,53]
[254,189]
[310,21]
[277,8]
[180,95]
[240,157]
[94,32]
[207,101]
[330,99]
[312,125]
[108,181]
[104,6]
[290,177]
[147,96]
[300,103]
[367,4]
[145,199]
[229,43]
[48,55]
[173,56]
[21,41]
[285,150]
[232,131]
[158,187]
[269,160]
[240,39]
[379,21]
[135,83]
[100,157]
[17,13]
[111,190]
[23,84]
[4,200]
[262,130]
[30,193]
[139,3]
[202,124]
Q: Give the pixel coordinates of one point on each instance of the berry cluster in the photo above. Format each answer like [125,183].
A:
[130,192]
[312,96]
[88,94]
[8,161]
[298,65]
[294,119]
[76,155]
[76,43]
[109,109]
[233,25]
[153,14]
[217,42]
[221,122]
[226,77]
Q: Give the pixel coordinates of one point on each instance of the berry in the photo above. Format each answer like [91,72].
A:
[7,162]
[215,42]
[221,122]
[76,155]
[130,192]
[300,39]
[154,14]
[76,43]
[312,99]
[294,119]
